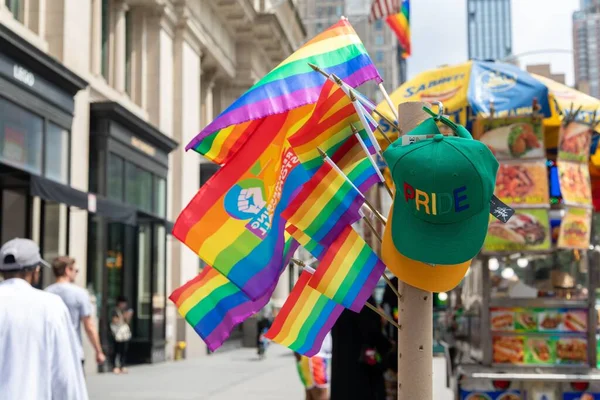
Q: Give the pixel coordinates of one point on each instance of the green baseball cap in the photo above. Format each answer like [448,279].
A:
[445,185]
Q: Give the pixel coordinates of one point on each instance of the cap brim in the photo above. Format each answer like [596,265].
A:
[438,243]
[440,278]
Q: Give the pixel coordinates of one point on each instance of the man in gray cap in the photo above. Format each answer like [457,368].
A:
[39,358]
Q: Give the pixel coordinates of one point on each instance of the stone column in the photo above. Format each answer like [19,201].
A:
[96,38]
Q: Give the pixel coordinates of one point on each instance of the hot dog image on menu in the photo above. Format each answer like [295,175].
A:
[508,350]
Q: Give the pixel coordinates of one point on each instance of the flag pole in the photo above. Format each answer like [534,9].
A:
[370,157]
[347,89]
[388,100]
[339,171]
[415,344]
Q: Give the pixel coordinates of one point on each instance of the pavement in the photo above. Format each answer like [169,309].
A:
[232,375]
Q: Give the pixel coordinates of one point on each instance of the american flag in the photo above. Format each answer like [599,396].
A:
[383,8]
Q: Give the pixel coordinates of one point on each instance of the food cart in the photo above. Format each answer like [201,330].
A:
[524,322]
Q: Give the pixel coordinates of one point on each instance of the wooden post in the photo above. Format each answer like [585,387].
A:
[415,309]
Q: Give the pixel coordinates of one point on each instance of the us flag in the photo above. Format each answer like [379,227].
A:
[383,8]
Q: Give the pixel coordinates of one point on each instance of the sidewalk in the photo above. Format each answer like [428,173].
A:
[233,375]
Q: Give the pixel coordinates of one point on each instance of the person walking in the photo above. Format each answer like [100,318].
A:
[264,322]
[39,357]
[121,334]
[78,303]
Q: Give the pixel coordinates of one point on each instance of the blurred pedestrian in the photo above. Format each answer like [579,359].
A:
[121,334]
[314,371]
[359,345]
[39,357]
[78,303]
[264,322]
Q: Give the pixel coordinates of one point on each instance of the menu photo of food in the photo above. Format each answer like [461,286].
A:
[523,184]
[575,321]
[508,349]
[574,142]
[526,321]
[575,229]
[571,351]
[575,183]
[514,138]
[502,320]
[528,229]
[540,350]
[551,321]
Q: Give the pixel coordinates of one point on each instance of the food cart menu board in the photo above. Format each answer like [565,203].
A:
[531,350]
[538,320]
[581,396]
[523,184]
[527,230]
[575,229]
[574,142]
[503,395]
[575,183]
[513,138]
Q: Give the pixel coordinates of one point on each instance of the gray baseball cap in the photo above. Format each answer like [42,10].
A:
[20,253]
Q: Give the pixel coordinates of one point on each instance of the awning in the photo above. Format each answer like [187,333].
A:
[53,191]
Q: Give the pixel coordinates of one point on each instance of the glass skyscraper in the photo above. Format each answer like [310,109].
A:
[489,29]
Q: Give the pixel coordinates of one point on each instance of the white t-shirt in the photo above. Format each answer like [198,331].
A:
[39,357]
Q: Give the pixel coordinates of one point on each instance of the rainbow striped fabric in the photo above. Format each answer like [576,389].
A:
[213,306]
[305,318]
[349,271]
[328,127]
[400,24]
[293,83]
[234,221]
[311,245]
[328,203]
[313,372]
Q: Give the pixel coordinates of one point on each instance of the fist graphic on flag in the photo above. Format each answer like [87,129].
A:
[246,199]
[251,200]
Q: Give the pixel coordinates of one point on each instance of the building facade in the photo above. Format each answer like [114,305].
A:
[98,99]
[489,32]
[586,57]
[378,38]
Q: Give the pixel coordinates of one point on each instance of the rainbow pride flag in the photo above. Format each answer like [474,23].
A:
[400,24]
[311,245]
[213,305]
[293,83]
[234,221]
[349,271]
[305,318]
[328,203]
[328,127]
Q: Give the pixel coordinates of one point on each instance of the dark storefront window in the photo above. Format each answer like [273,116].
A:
[20,137]
[57,153]
[160,273]
[138,187]
[115,177]
[16,8]
[105,36]
[144,291]
[160,193]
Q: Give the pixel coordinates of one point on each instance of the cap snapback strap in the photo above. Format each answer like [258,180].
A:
[459,130]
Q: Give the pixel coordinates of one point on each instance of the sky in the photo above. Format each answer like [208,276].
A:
[441,25]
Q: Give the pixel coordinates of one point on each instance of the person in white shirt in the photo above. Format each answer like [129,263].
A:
[39,357]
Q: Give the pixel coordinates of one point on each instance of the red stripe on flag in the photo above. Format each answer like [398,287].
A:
[289,305]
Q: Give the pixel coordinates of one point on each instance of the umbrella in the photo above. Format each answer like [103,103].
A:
[474,88]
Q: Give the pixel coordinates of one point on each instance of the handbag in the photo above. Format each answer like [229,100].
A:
[121,331]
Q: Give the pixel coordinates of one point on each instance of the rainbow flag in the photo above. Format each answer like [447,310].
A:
[213,305]
[234,221]
[328,203]
[400,24]
[311,245]
[328,127]
[305,318]
[349,271]
[293,83]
